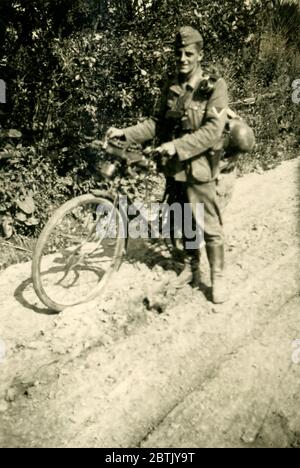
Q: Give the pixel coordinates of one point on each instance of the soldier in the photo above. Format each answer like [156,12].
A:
[189,128]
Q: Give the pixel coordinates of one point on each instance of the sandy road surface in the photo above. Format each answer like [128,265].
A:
[113,373]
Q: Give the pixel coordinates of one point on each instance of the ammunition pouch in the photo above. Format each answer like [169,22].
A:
[178,122]
[175,116]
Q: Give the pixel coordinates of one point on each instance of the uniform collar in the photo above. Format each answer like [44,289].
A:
[195,79]
[191,85]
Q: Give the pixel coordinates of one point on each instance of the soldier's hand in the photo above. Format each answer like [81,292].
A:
[114,133]
[167,148]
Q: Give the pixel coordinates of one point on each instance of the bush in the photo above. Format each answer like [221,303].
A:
[73,68]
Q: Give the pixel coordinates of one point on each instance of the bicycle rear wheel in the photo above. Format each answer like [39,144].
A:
[78,250]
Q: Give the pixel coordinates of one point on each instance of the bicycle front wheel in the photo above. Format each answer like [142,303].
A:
[78,250]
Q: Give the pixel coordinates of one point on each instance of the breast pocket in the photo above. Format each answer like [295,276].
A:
[196,112]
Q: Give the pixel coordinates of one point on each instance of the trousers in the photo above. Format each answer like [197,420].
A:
[214,196]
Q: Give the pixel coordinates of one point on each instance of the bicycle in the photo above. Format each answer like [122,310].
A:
[85,240]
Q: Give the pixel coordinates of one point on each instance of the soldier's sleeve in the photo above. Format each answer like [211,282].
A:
[209,134]
[142,132]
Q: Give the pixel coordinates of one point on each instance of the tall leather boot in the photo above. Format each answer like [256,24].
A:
[191,271]
[216,258]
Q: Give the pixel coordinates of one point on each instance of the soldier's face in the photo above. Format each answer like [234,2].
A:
[188,59]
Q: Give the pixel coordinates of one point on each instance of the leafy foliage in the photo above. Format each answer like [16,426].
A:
[74,67]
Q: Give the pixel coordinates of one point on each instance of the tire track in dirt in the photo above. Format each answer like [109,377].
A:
[112,387]
[252,399]
[123,399]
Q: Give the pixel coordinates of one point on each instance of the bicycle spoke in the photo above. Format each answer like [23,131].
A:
[78,252]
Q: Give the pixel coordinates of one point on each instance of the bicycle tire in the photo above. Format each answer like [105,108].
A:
[50,233]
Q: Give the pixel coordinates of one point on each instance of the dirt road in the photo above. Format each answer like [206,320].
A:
[119,373]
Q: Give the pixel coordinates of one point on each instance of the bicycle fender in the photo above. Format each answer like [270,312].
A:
[104,194]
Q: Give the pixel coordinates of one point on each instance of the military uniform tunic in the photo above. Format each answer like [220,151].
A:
[193,116]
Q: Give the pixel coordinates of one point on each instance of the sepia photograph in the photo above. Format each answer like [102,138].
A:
[149,226]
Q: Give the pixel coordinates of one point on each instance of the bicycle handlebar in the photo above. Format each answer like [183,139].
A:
[125,155]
